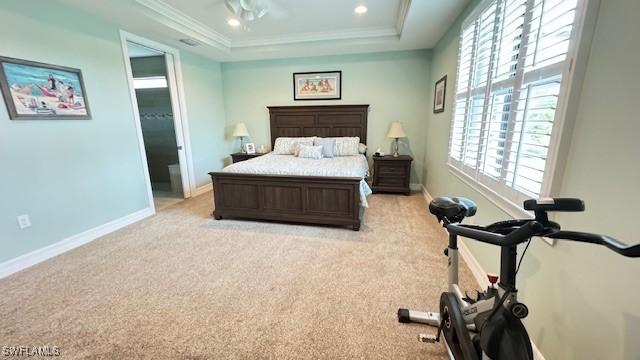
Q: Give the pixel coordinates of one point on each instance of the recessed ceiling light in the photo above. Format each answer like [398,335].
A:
[233,22]
[360,9]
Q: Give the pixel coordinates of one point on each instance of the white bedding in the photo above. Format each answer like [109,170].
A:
[339,166]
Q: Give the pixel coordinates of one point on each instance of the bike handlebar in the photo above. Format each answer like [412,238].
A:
[613,244]
[519,235]
[535,228]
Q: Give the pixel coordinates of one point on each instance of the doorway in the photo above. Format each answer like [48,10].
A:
[156,101]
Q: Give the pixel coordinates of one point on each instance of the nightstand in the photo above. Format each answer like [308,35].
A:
[391,174]
[237,157]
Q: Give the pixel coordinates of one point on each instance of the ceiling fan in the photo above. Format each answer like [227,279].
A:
[250,10]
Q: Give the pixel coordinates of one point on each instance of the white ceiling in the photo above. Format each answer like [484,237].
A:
[292,28]
[289,18]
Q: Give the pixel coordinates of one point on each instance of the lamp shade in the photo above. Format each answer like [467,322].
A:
[396,131]
[240,130]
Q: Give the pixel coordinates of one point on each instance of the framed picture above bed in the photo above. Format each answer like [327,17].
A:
[326,85]
[34,90]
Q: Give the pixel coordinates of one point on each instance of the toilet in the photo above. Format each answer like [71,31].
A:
[175,178]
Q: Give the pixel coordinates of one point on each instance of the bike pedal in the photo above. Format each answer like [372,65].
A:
[431,339]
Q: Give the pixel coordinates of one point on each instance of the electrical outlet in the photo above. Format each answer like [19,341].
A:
[24,221]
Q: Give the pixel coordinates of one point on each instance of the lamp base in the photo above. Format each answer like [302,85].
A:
[396,153]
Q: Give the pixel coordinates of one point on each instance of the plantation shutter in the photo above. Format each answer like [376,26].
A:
[513,57]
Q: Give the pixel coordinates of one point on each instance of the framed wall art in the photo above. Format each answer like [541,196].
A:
[325,85]
[439,95]
[33,90]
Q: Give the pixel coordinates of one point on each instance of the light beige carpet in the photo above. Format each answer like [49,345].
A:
[182,285]
[164,199]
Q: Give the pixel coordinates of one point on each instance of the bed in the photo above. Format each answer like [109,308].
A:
[257,190]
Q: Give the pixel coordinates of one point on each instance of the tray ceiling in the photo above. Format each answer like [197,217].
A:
[291,28]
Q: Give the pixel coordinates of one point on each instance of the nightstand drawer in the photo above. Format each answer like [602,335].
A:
[392,170]
[391,181]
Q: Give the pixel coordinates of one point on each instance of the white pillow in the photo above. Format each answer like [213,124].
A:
[362,148]
[288,145]
[347,146]
[328,146]
[310,152]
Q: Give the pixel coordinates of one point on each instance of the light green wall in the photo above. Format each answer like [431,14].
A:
[395,85]
[583,299]
[69,175]
[74,175]
[206,114]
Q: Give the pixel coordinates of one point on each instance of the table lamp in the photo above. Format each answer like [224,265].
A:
[395,132]
[241,131]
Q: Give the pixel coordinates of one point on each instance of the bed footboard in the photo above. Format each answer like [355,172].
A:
[298,199]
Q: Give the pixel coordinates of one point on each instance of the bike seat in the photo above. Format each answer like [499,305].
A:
[554,204]
[455,209]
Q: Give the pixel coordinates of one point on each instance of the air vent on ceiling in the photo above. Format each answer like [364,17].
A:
[189,42]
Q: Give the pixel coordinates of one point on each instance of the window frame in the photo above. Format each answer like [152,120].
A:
[548,186]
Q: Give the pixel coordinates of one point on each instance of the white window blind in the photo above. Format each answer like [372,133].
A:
[513,58]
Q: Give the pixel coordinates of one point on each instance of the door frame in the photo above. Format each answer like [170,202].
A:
[178,103]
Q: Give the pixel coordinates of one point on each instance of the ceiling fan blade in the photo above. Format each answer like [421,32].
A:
[262,12]
[248,5]
[276,9]
[233,5]
[261,9]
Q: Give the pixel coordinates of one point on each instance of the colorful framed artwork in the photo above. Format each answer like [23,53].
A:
[439,95]
[33,90]
[325,85]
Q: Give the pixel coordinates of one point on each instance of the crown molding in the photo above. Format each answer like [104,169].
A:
[187,25]
[318,36]
[179,21]
[403,11]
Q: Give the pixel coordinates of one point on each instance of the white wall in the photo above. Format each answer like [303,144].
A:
[395,84]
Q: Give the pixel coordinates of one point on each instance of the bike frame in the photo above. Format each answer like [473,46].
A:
[470,311]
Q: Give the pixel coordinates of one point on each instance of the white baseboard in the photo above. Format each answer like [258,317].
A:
[202,189]
[476,269]
[415,187]
[24,261]
[426,194]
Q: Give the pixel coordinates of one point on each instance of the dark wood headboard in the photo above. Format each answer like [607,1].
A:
[319,120]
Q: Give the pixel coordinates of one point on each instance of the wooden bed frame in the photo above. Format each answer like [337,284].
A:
[299,199]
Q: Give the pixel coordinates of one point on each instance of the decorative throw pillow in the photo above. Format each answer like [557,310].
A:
[310,152]
[287,145]
[328,146]
[347,146]
[362,148]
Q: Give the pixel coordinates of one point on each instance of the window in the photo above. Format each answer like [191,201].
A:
[513,65]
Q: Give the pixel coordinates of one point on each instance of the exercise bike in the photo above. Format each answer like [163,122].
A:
[490,325]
